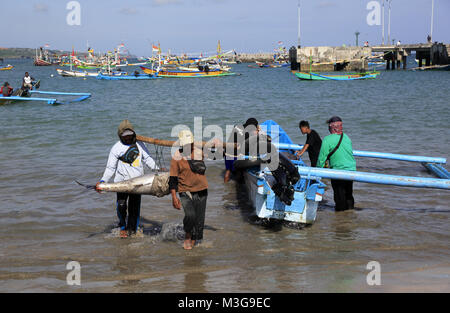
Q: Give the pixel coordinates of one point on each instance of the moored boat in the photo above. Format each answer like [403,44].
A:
[186,74]
[350,76]
[6,68]
[127,77]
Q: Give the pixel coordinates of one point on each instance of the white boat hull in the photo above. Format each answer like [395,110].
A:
[267,205]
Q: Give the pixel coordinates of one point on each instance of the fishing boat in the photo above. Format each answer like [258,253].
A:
[259,182]
[6,68]
[43,58]
[185,74]
[65,73]
[309,189]
[127,77]
[276,64]
[350,76]
[21,95]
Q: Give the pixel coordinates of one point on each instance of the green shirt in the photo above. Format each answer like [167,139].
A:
[343,158]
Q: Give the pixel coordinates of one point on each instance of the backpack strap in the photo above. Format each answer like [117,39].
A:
[335,148]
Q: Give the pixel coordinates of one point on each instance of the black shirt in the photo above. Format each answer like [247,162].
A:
[314,142]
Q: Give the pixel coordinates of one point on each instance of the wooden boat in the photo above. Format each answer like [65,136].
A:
[65,73]
[351,76]
[40,62]
[6,68]
[186,74]
[270,64]
[127,77]
[19,95]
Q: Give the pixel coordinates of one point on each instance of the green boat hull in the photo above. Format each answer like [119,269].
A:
[349,76]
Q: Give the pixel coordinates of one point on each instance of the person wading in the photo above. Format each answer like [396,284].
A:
[187,177]
[312,145]
[337,149]
[125,161]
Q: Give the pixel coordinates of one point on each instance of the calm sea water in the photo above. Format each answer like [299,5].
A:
[47,220]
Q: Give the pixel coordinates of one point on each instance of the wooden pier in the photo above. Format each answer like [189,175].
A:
[435,55]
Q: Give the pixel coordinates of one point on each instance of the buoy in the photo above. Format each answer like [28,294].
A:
[52,75]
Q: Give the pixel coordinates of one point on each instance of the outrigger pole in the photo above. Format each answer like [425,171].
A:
[374,178]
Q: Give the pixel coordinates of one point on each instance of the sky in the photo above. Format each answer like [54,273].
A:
[195,26]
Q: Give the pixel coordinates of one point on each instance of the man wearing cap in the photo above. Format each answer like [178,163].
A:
[125,161]
[337,149]
[238,137]
[187,177]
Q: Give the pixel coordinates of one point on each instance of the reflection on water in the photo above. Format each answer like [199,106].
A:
[47,220]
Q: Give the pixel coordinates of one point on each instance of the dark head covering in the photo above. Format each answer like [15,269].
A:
[335,125]
[251,121]
[334,119]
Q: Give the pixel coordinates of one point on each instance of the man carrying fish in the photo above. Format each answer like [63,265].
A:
[125,161]
[337,149]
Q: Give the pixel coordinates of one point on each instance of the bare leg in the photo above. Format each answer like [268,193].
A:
[187,242]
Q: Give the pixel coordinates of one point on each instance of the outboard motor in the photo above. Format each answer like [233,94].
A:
[285,174]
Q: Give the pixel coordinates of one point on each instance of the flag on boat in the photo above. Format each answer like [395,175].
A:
[280,42]
[155,48]
[47,45]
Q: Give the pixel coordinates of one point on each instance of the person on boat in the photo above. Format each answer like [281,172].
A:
[312,145]
[27,82]
[187,177]
[6,90]
[125,161]
[337,149]
[237,137]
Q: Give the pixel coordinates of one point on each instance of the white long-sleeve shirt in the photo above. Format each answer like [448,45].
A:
[123,171]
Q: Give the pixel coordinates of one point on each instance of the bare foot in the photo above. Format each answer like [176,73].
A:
[123,234]
[187,244]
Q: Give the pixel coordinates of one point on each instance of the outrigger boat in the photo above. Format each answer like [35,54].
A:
[65,73]
[127,77]
[6,68]
[276,64]
[20,95]
[185,74]
[351,76]
[309,189]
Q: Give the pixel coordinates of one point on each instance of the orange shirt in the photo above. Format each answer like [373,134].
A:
[187,179]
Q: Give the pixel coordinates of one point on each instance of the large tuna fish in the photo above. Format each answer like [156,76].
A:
[150,184]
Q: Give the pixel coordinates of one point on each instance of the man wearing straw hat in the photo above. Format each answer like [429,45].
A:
[187,177]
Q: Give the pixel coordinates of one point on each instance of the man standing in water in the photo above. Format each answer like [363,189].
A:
[312,145]
[125,162]
[187,177]
[337,149]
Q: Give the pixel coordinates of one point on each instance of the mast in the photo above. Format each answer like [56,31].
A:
[432,17]
[298,31]
[382,27]
[389,22]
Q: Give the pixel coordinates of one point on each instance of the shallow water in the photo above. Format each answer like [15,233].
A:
[47,220]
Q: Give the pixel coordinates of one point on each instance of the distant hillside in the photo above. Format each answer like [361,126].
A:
[18,53]
[21,53]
